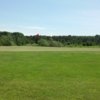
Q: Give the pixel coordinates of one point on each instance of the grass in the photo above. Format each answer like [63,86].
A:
[66,75]
[37,48]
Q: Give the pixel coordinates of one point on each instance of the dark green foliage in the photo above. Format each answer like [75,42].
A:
[9,39]
[6,39]
[17,38]
[36,37]
[49,42]
[43,42]
[97,39]
[55,44]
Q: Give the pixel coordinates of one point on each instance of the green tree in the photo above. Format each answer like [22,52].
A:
[5,41]
[43,42]
[19,38]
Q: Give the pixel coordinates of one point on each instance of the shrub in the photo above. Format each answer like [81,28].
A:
[43,42]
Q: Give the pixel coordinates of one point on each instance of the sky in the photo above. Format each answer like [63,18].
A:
[50,17]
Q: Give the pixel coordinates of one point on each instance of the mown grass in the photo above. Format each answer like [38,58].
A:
[39,48]
[50,75]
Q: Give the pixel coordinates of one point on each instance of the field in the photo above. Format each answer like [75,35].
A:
[26,73]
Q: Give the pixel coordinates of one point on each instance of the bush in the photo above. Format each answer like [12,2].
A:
[49,43]
[55,44]
[43,42]
[6,41]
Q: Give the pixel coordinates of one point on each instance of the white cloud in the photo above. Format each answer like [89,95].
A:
[32,27]
[27,30]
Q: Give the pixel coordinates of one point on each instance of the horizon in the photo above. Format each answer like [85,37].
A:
[51,17]
[47,34]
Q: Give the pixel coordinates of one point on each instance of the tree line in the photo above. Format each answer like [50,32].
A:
[19,39]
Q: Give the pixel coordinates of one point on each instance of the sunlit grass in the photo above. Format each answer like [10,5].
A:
[50,75]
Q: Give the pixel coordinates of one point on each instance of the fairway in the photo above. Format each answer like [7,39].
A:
[57,75]
[39,48]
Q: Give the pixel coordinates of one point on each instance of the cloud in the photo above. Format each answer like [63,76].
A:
[33,27]
[27,30]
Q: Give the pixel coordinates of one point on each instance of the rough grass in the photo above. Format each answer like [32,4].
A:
[50,75]
[37,48]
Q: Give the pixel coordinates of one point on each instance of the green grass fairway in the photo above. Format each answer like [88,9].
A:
[66,75]
[37,48]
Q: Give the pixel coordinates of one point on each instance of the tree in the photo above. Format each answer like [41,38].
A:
[37,37]
[5,41]
[97,39]
[43,42]
[19,38]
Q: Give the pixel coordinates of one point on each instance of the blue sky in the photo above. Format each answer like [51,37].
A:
[50,17]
